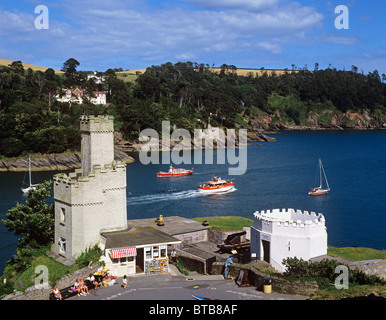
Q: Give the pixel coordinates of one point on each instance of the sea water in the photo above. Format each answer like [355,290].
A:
[279,175]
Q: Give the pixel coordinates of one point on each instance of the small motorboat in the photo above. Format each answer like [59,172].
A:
[173,172]
[217,185]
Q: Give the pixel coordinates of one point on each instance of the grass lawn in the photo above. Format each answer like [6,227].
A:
[127,77]
[56,270]
[227,223]
[356,253]
[353,292]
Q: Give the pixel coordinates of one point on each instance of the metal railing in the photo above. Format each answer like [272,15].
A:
[277,266]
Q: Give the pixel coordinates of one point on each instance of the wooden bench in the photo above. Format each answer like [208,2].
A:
[68,292]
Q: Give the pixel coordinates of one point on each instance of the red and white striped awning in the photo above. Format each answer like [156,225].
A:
[123,252]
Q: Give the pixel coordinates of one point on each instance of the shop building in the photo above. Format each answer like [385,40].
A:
[137,250]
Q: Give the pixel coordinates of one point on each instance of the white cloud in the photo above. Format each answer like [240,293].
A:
[141,33]
[254,5]
[272,47]
[337,39]
[19,23]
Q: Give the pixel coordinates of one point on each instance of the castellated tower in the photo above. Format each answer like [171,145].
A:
[97,142]
[279,234]
[92,199]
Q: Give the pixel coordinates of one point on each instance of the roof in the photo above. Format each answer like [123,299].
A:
[173,225]
[137,236]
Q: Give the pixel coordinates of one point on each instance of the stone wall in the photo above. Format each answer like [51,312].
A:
[217,237]
[34,293]
[192,262]
[191,237]
[279,285]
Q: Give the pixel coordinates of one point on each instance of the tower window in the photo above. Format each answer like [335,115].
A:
[62,246]
[62,215]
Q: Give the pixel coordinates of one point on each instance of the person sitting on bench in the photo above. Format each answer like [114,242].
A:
[92,280]
[83,286]
[56,293]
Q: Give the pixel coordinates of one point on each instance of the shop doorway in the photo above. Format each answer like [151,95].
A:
[139,267]
[266,247]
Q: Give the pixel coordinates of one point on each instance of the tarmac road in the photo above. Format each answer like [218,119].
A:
[174,286]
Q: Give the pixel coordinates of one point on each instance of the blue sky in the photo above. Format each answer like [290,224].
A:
[136,34]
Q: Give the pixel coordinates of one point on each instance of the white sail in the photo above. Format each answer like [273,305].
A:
[30,186]
[317,191]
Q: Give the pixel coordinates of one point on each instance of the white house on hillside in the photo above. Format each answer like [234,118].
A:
[77,95]
[97,79]
[99,97]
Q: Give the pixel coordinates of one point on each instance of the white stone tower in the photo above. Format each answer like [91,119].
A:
[279,234]
[97,142]
[91,199]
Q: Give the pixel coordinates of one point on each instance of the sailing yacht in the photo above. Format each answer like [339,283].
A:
[318,191]
[30,186]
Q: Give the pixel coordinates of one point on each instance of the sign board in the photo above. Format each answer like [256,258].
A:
[242,279]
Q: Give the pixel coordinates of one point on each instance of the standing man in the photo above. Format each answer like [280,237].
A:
[173,255]
[228,262]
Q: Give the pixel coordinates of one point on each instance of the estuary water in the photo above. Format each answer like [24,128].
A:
[279,175]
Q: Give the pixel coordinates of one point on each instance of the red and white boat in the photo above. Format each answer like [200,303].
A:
[173,172]
[216,185]
[319,191]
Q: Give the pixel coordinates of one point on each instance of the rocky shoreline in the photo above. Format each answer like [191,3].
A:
[72,160]
[52,162]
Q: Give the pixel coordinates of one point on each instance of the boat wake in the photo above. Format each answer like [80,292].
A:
[170,196]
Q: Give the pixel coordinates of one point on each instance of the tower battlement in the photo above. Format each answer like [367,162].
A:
[76,177]
[99,124]
[288,218]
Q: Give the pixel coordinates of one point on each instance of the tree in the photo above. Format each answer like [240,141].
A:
[32,221]
[69,67]
[18,67]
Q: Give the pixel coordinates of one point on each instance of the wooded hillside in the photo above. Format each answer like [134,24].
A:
[186,94]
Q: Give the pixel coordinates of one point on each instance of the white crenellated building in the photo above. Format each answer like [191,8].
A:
[278,234]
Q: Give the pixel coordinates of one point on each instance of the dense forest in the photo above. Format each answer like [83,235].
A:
[185,93]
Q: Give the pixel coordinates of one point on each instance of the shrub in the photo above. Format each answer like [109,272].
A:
[324,271]
[6,288]
[90,255]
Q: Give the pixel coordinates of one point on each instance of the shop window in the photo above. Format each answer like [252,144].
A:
[148,252]
[156,252]
[163,251]
[125,260]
